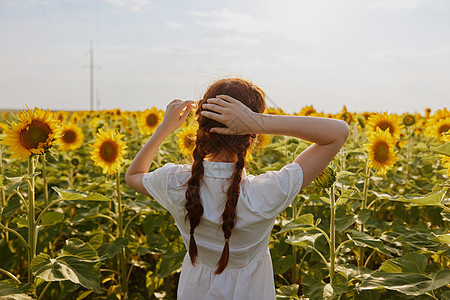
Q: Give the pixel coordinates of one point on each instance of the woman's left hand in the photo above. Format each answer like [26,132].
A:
[174,115]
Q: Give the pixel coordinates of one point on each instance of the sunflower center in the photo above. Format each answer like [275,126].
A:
[151,120]
[34,134]
[444,128]
[385,125]
[108,151]
[381,152]
[69,136]
[408,120]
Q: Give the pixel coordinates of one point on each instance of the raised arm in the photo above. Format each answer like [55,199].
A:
[328,135]
[173,118]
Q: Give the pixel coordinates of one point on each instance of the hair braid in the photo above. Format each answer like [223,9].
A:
[193,204]
[229,213]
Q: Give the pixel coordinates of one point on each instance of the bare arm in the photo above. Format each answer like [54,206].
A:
[328,135]
[173,118]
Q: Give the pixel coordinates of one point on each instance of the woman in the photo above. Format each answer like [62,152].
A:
[225,216]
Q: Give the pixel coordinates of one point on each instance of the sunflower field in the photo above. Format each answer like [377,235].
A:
[375,224]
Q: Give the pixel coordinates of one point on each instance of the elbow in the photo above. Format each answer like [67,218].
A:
[127,178]
[343,131]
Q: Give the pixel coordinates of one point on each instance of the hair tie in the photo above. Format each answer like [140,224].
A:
[227,240]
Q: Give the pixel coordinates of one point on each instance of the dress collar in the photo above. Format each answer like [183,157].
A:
[219,169]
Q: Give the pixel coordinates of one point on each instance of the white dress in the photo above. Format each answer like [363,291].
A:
[249,273]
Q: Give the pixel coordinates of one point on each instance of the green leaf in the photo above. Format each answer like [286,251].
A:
[344,218]
[75,195]
[109,250]
[410,263]
[313,285]
[12,292]
[301,238]
[412,284]
[172,260]
[78,263]
[21,221]
[339,284]
[442,149]
[52,218]
[365,240]
[288,292]
[152,282]
[433,199]
[363,216]
[301,223]
[443,238]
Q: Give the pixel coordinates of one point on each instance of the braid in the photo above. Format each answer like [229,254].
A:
[193,205]
[229,214]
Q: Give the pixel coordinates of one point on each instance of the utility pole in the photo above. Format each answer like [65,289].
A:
[91,68]
[91,72]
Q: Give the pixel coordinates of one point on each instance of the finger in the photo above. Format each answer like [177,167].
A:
[218,101]
[227,98]
[186,112]
[214,107]
[221,130]
[212,116]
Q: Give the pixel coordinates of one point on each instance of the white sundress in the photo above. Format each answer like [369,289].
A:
[249,273]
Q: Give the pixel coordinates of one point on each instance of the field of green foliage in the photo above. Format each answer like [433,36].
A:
[374,225]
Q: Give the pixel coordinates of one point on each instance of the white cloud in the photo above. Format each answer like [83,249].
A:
[174,25]
[227,39]
[398,4]
[180,50]
[133,5]
[244,23]
[408,53]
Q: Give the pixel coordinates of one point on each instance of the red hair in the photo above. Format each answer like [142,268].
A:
[211,144]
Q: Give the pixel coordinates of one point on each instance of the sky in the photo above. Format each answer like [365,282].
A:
[371,55]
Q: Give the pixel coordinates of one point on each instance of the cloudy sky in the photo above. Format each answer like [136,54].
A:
[374,55]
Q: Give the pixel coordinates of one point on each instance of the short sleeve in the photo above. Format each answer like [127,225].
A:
[157,185]
[273,191]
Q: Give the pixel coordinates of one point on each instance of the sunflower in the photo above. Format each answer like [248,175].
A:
[186,139]
[385,121]
[72,137]
[438,128]
[3,127]
[108,150]
[307,111]
[274,111]
[149,120]
[381,150]
[409,120]
[34,133]
[446,164]
[261,141]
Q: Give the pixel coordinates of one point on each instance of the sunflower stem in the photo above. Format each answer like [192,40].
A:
[332,235]
[123,266]
[408,150]
[364,206]
[32,238]
[294,253]
[44,177]
[10,275]
[2,189]
[70,177]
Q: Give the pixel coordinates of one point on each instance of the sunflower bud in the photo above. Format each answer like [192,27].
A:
[409,120]
[326,178]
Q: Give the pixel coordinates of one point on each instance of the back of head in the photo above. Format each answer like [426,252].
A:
[211,144]
[240,89]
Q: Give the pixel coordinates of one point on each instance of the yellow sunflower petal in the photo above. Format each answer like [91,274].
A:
[34,133]
[108,150]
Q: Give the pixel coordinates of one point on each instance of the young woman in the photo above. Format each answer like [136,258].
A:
[225,216]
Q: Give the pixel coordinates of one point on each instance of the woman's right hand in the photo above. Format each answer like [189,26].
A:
[238,118]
